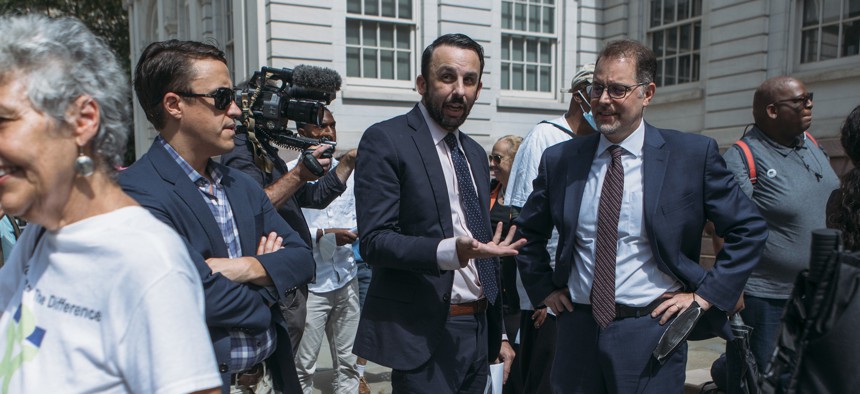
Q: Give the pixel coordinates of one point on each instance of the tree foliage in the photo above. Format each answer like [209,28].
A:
[106,18]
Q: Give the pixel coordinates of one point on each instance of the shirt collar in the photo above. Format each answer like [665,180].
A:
[800,142]
[189,171]
[436,131]
[632,144]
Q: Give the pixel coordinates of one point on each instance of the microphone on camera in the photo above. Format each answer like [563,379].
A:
[316,78]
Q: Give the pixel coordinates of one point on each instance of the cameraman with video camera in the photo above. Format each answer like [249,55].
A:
[288,189]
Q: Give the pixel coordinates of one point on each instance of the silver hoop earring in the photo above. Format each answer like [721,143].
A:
[84,164]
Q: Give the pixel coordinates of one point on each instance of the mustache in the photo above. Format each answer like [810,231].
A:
[456,100]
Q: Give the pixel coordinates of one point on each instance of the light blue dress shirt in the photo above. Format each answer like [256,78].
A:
[638,280]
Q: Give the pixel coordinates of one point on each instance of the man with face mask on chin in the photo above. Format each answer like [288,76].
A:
[537,325]
[630,203]
[422,187]
[577,121]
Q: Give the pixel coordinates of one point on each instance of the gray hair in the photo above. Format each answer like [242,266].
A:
[60,60]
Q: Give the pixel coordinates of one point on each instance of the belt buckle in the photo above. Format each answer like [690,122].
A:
[468,308]
[249,377]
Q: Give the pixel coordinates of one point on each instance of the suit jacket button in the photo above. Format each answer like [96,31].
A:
[446,297]
[223,367]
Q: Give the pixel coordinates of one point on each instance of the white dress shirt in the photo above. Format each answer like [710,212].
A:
[335,264]
[638,280]
[467,286]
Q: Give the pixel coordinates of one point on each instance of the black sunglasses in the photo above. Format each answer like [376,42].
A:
[223,97]
[495,158]
[802,100]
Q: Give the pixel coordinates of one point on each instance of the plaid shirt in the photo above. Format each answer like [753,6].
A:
[245,350]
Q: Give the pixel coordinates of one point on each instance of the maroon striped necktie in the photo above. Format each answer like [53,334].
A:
[603,286]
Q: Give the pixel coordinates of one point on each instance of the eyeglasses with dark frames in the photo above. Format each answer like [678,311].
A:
[223,97]
[495,158]
[616,91]
[802,100]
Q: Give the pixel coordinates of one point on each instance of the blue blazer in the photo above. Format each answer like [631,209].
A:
[403,213]
[161,186]
[686,183]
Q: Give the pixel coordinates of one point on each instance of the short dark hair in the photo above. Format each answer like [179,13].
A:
[766,94]
[844,215]
[302,125]
[455,40]
[646,62]
[166,66]
[850,137]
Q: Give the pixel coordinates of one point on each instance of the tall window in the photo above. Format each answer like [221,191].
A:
[229,43]
[831,29]
[528,45]
[379,37]
[675,33]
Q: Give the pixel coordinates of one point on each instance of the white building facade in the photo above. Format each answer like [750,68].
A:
[712,54]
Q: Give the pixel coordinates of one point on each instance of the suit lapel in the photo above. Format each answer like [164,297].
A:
[242,214]
[655,159]
[579,167]
[427,150]
[188,193]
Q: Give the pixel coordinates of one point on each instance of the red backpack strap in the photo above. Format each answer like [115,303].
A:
[809,137]
[749,158]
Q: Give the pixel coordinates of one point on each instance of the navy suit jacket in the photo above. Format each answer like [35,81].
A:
[403,214]
[158,183]
[686,183]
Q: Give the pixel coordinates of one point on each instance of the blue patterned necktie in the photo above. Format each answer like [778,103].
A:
[478,226]
[606,249]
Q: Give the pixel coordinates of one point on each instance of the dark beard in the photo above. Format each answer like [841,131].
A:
[450,124]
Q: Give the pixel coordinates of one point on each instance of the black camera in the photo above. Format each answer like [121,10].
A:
[270,99]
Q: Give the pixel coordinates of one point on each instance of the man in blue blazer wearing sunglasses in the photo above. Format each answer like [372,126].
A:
[248,257]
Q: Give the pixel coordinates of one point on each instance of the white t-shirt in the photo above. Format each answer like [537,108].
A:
[109,304]
[524,171]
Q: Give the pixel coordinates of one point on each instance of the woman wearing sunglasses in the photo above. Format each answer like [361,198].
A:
[501,161]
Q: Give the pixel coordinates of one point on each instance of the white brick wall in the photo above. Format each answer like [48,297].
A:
[743,43]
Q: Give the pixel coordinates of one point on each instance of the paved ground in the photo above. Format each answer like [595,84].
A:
[700,356]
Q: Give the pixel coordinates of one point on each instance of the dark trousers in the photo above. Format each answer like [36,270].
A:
[764,315]
[457,365]
[537,349]
[294,309]
[514,384]
[616,359]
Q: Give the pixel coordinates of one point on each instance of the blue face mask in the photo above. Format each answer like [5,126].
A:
[587,114]
[590,119]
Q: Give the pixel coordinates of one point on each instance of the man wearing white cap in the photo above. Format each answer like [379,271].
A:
[537,329]
[576,121]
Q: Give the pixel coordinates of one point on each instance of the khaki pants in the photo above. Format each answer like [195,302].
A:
[263,386]
[334,314]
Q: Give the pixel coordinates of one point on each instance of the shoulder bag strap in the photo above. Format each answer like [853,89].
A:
[748,156]
[566,131]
